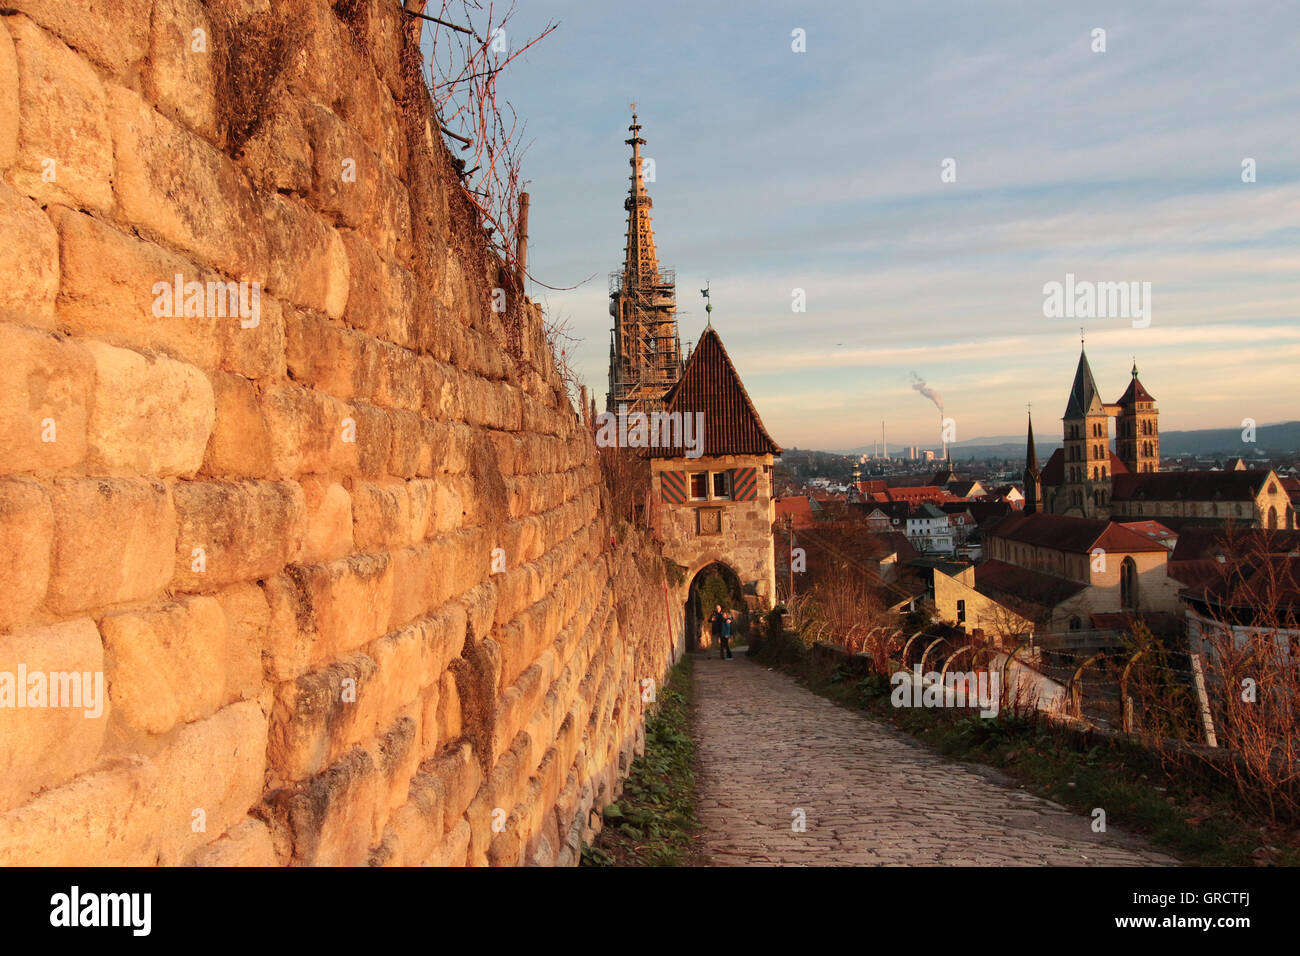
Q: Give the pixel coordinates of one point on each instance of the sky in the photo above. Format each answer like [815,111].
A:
[821,171]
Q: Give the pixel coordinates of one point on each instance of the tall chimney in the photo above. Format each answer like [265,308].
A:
[884,447]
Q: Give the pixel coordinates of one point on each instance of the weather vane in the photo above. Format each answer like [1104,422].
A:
[708,304]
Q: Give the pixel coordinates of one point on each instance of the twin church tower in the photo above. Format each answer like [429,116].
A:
[1078,478]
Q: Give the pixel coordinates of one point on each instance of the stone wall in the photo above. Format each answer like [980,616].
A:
[339,558]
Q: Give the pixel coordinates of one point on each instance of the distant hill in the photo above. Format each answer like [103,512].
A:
[1278,439]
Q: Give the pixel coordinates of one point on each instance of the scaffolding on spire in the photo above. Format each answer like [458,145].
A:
[645,352]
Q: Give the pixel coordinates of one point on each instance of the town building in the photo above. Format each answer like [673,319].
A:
[1059,571]
[929,530]
[1251,498]
[715,511]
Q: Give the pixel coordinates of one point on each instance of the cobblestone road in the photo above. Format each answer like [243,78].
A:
[870,794]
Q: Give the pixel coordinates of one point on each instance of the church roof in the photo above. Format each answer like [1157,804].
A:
[710,384]
[1073,535]
[1135,391]
[1084,399]
[1189,486]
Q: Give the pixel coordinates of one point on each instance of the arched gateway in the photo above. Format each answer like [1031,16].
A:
[715,509]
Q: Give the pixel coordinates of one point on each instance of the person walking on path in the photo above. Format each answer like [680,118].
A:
[726,636]
[715,625]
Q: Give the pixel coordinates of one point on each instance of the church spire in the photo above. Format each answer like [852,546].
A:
[1033,477]
[1084,399]
[641,260]
[645,358]
[1031,452]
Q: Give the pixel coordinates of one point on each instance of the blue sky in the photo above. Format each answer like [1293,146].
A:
[778,170]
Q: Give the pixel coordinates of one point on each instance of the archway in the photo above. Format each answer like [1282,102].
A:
[715,583]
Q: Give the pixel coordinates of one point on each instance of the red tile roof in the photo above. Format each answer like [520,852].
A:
[1074,535]
[798,509]
[1152,529]
[710,384]
[1029,593]
[1135,393]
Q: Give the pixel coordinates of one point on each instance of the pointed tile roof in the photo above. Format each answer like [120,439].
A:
[1135,392]
[1083,394]
[710,384]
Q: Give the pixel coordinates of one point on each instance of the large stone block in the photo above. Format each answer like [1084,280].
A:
[246,530]
[62,672]
[454,848]
[380,294]
[255,348]
[112,33]
[373,448]
[310,432]
[90,818]
[329,521]
[150,416]
[65,149]
[418,823]
[335,818]
[167,665]
[143,810]
[26,540]
[107,291]
[349,181]
[178,75]
[114,541]
[411,455]
[321,715]
[248,622]
[459,772]
[321,353]
[381,514]
[31,267]
[8,99]
[277,156]
[216,766]
[210,211]
[44,398]
[309,264]
[245,844]
[344,604]
[240,446]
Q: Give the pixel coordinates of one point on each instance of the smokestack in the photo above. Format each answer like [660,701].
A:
[884,446]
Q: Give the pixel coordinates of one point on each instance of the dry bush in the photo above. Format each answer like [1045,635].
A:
[471,47]
[627,481]
[1253,678]
[562,345]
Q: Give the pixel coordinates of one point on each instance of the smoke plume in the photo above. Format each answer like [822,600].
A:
[918,383]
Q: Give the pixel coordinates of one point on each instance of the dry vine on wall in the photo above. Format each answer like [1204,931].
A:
[470,47]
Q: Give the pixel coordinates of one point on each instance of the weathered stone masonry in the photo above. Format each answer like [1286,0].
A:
[276,542]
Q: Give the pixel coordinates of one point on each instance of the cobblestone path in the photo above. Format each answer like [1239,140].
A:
[870,794]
